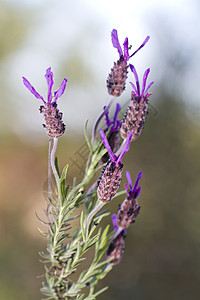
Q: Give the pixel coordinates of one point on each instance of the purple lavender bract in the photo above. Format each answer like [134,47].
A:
[137,111]
[111,174]
[54,125]
[116,81]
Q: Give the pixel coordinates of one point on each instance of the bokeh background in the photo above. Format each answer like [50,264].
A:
[162,257]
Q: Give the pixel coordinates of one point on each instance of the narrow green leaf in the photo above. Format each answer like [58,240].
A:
[82,226]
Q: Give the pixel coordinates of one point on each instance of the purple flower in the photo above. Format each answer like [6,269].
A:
[115,123]
[124,54]
[129,209]
[136,89]
[50,82]
[116,81]
[116,248]
[111,175]
[54,125]
[132,192]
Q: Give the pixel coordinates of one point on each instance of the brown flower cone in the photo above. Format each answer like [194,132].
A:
[134,118]
[54,125]
[127,213]
[116,249]
[109,181]
[116,81]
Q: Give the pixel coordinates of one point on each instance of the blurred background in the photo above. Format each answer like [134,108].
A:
[162,256]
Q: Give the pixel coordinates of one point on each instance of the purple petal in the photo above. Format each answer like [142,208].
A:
[32,89]
[128,176]
[108,122]
[147,88]
[146,73]
[127,190]
[136,78]
[106,144]
[148,95]
[49,79]
[61,90]
[126,146]
[114,220]
[144,43]
[126,54]
[134,88]
[115,123]
[136,184]
[115,41]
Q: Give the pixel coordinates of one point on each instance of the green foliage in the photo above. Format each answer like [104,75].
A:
[67,247]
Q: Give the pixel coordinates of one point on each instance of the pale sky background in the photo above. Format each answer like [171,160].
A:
[58,29]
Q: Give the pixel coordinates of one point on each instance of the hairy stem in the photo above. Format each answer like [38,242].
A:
[49,167]
[53,152]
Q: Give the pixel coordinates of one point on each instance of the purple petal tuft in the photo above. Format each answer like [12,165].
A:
[146,73]
[136,79]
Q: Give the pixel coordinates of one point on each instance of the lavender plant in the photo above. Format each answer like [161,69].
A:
[82,203]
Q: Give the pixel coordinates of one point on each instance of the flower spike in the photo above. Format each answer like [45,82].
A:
[137,111]
[111,175]
[54,125]
[116,248]
[129,209]
[116,81]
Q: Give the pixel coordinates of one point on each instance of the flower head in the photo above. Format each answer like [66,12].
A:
[138,109]
[129,209]
[116,248]
[50,82]
[124,55]
[116,81]
[54,125]
[111,175]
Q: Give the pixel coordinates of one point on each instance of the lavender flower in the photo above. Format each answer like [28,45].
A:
[137,111]
[113,136]
[111,174]
[116,248]
[129,209]
[117,78]
[53,118]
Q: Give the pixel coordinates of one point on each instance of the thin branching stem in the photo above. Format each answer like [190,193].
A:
[93,212]
[53,152]
[94,132]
